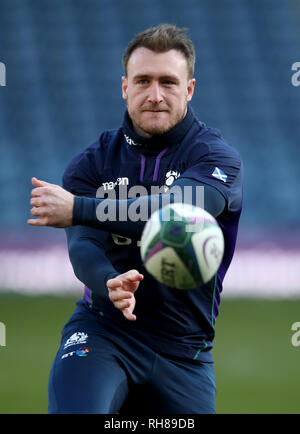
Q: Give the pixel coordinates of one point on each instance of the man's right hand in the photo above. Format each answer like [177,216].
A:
[121,292]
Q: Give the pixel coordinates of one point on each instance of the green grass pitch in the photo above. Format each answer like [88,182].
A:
[256,365]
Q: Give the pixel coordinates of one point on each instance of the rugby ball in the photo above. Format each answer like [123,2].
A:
[182,246]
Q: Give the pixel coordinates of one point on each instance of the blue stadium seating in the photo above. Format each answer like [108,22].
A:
[63,61]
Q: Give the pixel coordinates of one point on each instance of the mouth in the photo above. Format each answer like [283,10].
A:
[154,111]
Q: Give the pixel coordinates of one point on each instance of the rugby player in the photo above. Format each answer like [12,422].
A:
[134,345]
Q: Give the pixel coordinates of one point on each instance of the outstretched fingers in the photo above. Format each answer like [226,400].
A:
[43,221]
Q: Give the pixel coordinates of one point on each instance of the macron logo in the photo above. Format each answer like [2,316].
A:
[111,185]
[219,174]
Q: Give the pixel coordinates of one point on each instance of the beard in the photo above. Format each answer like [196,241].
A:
[149,124]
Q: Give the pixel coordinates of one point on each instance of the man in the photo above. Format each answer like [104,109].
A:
[134,345]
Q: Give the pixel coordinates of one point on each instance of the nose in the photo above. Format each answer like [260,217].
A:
[155,95]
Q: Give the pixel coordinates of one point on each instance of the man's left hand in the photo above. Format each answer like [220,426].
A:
[51,204]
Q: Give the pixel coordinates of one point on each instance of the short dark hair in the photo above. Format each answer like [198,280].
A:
[162,38]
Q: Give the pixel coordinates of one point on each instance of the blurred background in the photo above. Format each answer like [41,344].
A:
[60,87]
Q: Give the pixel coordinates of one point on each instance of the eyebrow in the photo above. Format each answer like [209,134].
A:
[163,77]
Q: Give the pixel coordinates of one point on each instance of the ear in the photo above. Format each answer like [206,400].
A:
[190,89]
[124,87]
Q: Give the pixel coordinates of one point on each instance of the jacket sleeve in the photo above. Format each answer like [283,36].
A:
[86,245]
[87,255]
[86,210]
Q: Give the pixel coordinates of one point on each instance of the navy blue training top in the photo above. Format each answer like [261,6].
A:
[174,322]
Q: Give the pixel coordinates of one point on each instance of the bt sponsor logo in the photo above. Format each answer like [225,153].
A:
[81,352]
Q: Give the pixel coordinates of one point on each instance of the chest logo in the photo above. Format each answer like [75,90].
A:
[171,176]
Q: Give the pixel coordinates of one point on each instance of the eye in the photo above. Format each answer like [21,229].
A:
[168,82]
